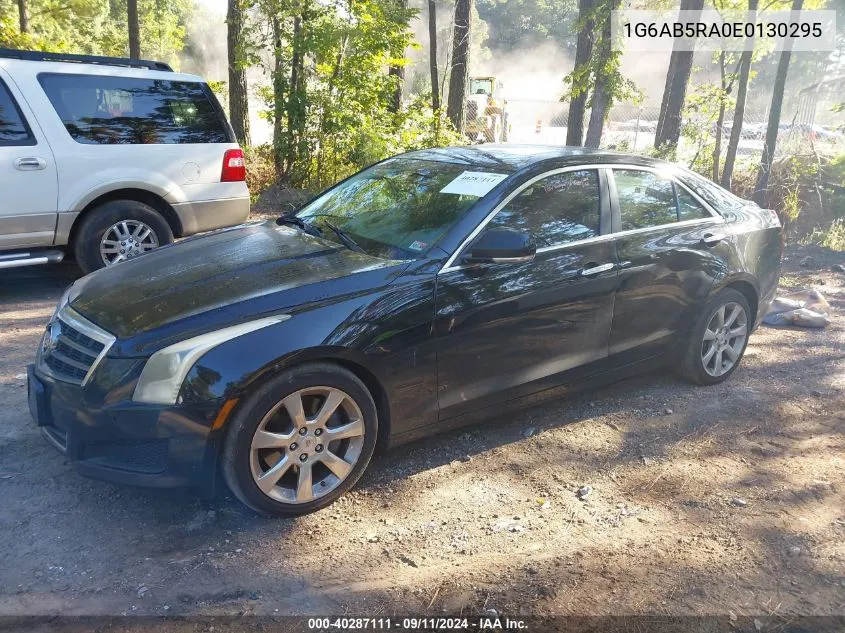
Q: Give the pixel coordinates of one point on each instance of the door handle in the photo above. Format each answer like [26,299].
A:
[30,163]
[596,269]
[711,239]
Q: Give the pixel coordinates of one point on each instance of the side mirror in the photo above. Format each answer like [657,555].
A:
[501,246]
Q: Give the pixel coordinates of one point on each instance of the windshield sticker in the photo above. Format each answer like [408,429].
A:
[416,245]
[473,183]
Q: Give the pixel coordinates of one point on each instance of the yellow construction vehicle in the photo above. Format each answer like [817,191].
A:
[486,111]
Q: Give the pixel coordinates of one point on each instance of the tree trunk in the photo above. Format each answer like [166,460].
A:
[601,90]
[396,98]
[134,29]
[675,90]
[432,56]
[583,52]
[296,98]
[739,110]
[459,76]
[720,121]
[238,97]
[279,90]
[23,16]
[774,118]
[399,73]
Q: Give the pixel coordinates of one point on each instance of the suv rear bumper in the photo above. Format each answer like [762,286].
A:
[207,215]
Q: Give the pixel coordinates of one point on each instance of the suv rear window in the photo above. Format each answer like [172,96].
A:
[103,110]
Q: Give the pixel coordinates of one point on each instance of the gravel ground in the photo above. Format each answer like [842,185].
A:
[719,500]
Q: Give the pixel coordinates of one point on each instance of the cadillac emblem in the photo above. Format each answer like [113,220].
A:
[51,338]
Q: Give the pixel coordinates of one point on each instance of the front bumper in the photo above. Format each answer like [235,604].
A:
[125,442]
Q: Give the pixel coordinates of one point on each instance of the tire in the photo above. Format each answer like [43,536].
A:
[698,364]
[107,216]
[265,418]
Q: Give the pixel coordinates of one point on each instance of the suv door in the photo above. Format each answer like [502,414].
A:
[27,176]
[671,249]
[507,330]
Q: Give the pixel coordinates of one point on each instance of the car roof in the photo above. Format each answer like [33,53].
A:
[14,66]
[513,157]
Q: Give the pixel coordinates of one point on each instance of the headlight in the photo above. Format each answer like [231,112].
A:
[163,374]
[71,293]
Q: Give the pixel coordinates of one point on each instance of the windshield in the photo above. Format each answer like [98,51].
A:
[400,208]
[481,86]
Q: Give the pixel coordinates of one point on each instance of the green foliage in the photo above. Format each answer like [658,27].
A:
[517,24]
[791,205]
[583,79]
[330,95]
[832,237]
[95,27]
[700,117]
[260,169]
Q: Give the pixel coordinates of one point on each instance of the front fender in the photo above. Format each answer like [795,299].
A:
[234,367]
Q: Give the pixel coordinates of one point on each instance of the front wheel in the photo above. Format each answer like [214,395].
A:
[718,339]
[301,441]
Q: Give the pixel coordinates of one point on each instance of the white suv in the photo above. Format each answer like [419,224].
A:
[107,158]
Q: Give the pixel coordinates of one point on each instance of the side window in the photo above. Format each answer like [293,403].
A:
[555,210]
[645,199]
[13,128]
[712,193]
[688,207]
[109,110]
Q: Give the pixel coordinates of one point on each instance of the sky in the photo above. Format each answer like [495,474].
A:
[215,6]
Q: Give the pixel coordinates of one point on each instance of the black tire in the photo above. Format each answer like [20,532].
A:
[691,365]
[236,458]
[86,246]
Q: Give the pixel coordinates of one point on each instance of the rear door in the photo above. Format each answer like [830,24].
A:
[27,175]
[508,330]
[671,249]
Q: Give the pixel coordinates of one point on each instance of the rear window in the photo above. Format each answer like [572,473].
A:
[718,198]
[102,110]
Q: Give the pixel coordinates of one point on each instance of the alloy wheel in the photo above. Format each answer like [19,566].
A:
[307,445]
[724,339]
[125,240]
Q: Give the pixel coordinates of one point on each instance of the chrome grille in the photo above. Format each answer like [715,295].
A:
[72,347]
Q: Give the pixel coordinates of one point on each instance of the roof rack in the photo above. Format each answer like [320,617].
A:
[38,56]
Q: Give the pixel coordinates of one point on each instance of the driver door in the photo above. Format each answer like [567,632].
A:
[511,329]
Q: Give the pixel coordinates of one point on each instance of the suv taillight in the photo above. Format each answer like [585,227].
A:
[234,167]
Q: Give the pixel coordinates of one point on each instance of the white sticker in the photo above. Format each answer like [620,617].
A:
[473,183]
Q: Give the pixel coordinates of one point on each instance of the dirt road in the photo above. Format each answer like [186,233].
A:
[729,499]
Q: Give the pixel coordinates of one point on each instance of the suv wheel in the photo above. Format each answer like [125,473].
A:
[118,231]
[300,441]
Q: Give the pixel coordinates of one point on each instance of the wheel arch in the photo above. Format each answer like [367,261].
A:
[748,289]
[137,195]
[341,357]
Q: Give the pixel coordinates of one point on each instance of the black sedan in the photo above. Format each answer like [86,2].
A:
[431,290]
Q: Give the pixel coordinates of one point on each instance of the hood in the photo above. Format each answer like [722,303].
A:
[243,272]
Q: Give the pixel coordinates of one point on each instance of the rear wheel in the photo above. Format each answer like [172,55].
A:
[118,231]
[717,341]
[301,441]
